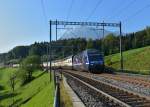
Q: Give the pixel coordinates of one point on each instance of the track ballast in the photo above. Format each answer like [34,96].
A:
[109,95]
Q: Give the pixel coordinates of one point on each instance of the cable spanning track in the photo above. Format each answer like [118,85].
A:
[115,8]
[124,8]
[92,12]
[43,11]
[136,13]
[69,10]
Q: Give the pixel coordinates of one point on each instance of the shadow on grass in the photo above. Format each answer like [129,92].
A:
[25,101]
[1,105]
[31,79]
[14,104]
[39,75]
[7,95]
[1,87]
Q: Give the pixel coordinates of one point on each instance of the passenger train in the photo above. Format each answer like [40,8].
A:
[90,60]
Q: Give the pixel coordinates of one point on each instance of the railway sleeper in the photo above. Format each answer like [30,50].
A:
[131,99]
[109,102]
[143,105]
[138,104]
[129,96]
[123,97]
[116,94]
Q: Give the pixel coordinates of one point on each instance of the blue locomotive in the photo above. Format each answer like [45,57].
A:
[89,60]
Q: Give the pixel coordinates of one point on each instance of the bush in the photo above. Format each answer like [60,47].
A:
[108,61]
[28,65]
[22,76]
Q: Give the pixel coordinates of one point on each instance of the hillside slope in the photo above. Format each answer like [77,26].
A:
[43,99]
[27,93]
[135,60]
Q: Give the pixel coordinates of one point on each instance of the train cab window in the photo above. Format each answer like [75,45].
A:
[95,57]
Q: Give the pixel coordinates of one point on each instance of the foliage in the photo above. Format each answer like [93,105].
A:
[5,74]
[25,93]
[28,65]
[12,81]
[89,44]
[22,76]
[110,45]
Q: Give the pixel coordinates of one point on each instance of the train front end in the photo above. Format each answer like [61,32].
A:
[96,62]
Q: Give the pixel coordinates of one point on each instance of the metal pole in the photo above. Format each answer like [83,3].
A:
[103,39]
[55,70]
[47,56]
[121,54]
[56,30]
[72,55]
[50,50]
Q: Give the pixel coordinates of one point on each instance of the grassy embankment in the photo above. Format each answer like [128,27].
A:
[135,60]
[38,93]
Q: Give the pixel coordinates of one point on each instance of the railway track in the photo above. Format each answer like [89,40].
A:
[133,80]
[111,95]
[136,84]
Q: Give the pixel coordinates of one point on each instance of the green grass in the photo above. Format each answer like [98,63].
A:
[135,60]
[37,90]
[4,77]
[43,99]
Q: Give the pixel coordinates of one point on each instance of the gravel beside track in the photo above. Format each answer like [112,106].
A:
[146,77]
[85,93]
[123,83]
[144,90]
[128,98]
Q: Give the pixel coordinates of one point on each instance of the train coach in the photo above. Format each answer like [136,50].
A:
[90,60]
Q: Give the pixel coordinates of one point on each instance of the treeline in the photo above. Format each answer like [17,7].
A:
[63,48]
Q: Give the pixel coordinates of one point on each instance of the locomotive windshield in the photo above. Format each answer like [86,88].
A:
[95,57]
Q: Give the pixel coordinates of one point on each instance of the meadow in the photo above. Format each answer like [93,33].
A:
[135,60]
[37,93]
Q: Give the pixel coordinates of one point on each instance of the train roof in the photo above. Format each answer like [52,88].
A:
[92,51]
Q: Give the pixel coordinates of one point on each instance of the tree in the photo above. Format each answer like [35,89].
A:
[30,64]
[89,44]
[34,51]
[12,81]
[110,43]
[22,76]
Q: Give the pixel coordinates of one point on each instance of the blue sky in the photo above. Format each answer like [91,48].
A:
[22,22]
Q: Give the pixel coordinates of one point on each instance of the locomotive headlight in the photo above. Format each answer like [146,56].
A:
[86,63]
[92,64]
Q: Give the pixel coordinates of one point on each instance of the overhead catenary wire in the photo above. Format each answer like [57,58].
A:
[43,11]
[136,13]
[115,8]
[124,8]
[69,10]
[93,11]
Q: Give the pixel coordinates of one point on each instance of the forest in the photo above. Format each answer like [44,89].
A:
[62,48]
